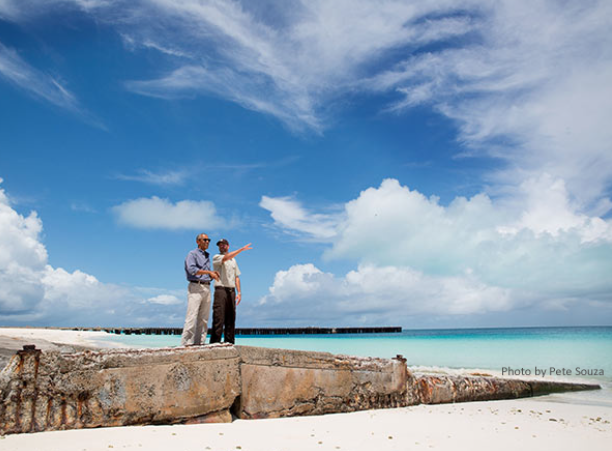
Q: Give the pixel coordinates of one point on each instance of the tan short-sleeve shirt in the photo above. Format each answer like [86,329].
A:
[228,271]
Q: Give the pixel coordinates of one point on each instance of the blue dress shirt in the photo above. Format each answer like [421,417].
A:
[197,260]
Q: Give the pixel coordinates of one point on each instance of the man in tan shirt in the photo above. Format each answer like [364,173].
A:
[227,292]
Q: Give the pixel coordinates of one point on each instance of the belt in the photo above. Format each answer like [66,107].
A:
[200,282]
[224,288]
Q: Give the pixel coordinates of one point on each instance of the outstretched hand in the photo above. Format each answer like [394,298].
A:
[236,252]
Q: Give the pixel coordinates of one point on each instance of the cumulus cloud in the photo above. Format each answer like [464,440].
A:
[482,254]
[547,208]
[32,292]
[289,215]
[549,249]
[22,258]
[539,205]
[156,213]
[165,299]
[526,81]
[375,295]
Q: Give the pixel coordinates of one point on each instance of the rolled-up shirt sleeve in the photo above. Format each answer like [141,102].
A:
[191,265]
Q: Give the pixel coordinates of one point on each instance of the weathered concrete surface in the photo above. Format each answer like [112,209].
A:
[441,389]
[283,383]
[49,390]
[65,390]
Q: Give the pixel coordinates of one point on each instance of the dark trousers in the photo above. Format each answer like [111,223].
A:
[224,315]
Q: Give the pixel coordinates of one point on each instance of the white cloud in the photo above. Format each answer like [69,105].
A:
[22,258]
[530,248]
[525,80]
[391,295]
[19,9]
[7,10]
[373,295]
[289,215]
[32,292]
[533,89]
[548,251]
[42,86]
[156,213]
[165,299]
[14,69]
[287,65]
[79,294]
[547,209]
[83,207]
[406,227]
[295,283]
[160,178]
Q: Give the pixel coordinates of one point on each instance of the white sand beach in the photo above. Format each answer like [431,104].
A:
[12,339]
[526,424]
[58,336]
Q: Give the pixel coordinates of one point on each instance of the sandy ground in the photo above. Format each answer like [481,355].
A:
[13,340]
[69,337]
[525,424]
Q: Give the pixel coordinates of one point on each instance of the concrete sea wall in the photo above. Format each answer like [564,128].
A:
[282,383]
[53,390]
[442,389]
[48,390]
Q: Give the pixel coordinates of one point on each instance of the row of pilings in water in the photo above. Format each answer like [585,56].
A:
[250,330]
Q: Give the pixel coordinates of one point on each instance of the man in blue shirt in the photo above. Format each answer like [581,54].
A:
[199,275]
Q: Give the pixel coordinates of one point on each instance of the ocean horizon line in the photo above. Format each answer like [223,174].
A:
[395,329]
[6,326]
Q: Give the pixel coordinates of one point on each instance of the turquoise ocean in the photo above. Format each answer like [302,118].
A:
[563,353]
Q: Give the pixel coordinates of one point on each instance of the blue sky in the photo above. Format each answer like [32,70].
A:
[423,164]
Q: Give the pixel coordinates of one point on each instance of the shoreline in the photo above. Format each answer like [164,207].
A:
[547,422]
[12,339]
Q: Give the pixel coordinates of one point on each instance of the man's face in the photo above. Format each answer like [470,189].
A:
[223,247]
[203,242]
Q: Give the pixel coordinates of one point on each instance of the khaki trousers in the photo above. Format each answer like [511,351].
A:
[198,311]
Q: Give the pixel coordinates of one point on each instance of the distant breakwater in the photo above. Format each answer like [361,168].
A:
[248,330]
